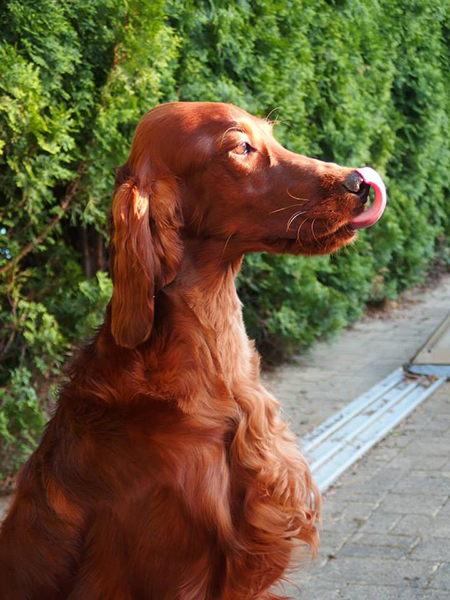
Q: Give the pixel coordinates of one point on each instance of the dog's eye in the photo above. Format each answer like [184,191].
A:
[243,148]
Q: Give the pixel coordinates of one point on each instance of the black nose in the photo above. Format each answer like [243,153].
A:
[354,183]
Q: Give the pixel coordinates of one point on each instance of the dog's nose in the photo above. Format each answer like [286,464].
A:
[354,183]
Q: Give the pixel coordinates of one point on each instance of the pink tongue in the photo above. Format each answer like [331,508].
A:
[374,212]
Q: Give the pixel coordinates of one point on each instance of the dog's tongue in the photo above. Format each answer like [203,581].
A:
[374,212]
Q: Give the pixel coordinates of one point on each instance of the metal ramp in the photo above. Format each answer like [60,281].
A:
[434,357]
[436,351]
[343,438]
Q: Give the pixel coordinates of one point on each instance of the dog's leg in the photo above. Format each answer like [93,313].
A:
[39,550]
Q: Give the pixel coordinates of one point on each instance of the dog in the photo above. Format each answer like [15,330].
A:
[166,472]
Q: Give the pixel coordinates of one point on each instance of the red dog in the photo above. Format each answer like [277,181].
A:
[166,472]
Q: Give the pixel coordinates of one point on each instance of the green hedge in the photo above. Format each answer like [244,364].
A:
[353,81]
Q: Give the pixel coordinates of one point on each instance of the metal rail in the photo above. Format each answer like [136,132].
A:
[341,440]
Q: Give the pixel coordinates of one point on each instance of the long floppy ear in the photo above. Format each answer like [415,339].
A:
[145,254]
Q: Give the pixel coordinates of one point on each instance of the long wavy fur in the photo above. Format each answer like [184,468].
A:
[166,472]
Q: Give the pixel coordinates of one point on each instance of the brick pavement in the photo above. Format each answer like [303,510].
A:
[386,531]
[386,521]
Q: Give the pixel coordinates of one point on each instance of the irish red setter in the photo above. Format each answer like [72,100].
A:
[166,472]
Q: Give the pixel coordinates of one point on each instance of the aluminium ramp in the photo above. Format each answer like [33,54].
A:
[341,440]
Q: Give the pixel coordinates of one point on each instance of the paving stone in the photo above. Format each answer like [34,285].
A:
[354,486]
[434,429]
[353,592]
[371,469]
[380,522]
[359,511]
[413,504]
[440,414]
[331,542]
[350,550]
[389,540]
[384,454]
[363,489]
[424,595]
[441,578]
[308,590]
[444,410]
[420,463]
[424,525]
[445,510]
[371,592]
[376,571]
[429,448]
[398,439]
[336,591]
[388,478]
[424,482]
[367,469]
[345,526]
[437,550]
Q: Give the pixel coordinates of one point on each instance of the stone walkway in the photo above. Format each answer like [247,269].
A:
[386,522]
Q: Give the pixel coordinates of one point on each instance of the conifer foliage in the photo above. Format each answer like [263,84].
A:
[353,81]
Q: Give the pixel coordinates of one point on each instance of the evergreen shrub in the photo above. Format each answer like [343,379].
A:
[352,81]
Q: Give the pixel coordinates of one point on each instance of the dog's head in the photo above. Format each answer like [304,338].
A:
[213,171]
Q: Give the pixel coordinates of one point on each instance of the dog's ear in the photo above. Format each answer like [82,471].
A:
[145,254]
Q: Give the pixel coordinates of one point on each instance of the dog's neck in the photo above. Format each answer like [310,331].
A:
[198,349]
[206,285]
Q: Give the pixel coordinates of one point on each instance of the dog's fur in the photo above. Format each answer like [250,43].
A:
[166,472]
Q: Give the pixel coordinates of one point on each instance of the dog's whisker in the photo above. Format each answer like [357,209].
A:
[284,208]
[226,244]
[273,110]
[312,231]
[232,128]
[294,216]
[298,230]
[295,197]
